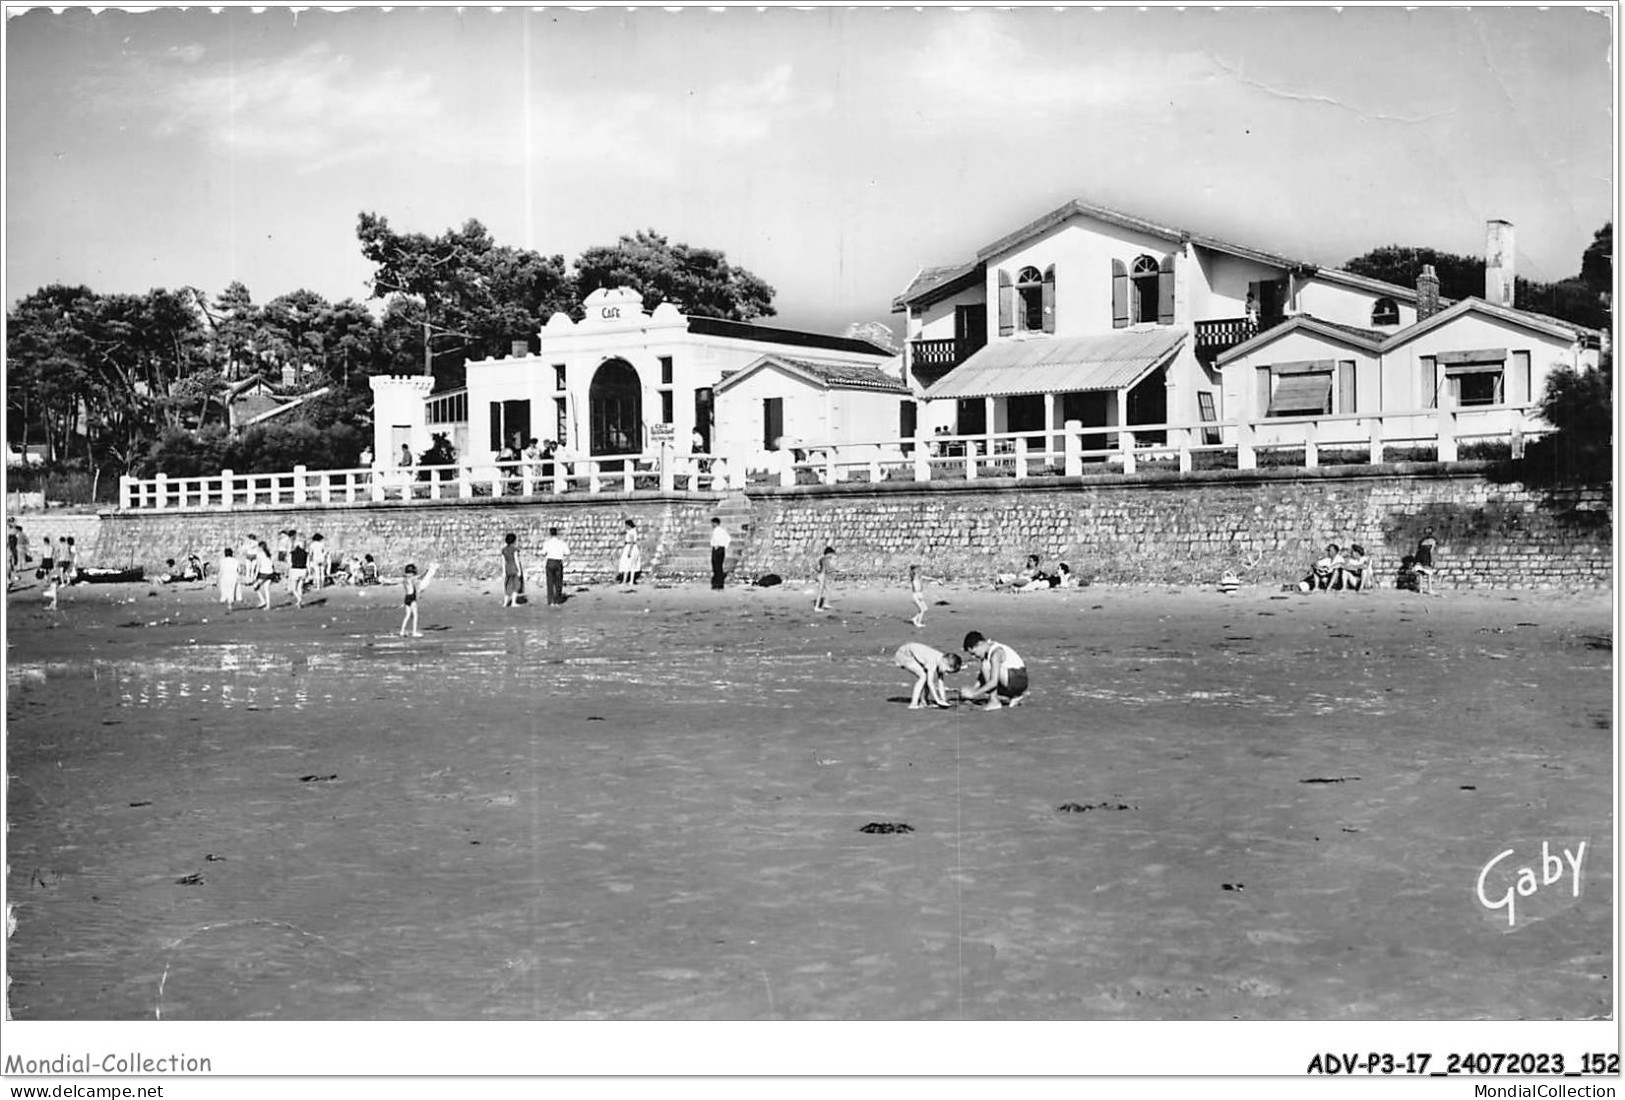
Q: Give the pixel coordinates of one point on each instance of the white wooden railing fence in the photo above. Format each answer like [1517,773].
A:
[1070,450]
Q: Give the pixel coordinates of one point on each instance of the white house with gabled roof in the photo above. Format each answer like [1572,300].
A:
[1107,318]
[785,402]
[1488,362]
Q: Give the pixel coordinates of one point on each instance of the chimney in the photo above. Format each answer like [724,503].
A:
[520,348]
[1499,276]
[1427,293]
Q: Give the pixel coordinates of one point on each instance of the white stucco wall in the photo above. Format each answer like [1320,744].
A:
[740,409]
[397,402]
[1347,305]
[1403,373]
[936,321]
[1082,251]
[640,339]
[1222,290]
[1240,379]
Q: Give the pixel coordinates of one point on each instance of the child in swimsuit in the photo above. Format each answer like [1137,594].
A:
[413,587]
[928,666]
[917,584]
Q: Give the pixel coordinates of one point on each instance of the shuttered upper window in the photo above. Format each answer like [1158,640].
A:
[1144,295]
[1028,304]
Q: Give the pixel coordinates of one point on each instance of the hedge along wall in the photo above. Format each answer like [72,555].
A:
[1179,529]
[464,537]
[1162,528]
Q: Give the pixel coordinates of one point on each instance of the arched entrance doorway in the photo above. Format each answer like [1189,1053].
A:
[615,410]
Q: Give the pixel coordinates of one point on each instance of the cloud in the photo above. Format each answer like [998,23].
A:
[646,134]
[313,106]
[975,67]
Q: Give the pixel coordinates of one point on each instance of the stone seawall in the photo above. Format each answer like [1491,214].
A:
[465,538]
[1181,529]
[1159,528]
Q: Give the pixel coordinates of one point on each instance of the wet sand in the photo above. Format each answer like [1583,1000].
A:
[651,806]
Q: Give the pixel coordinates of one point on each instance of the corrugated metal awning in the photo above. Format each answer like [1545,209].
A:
[1302,393]
[1060,364]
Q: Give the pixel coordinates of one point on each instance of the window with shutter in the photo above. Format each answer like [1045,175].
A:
[1302,394]
[1049,298]
[1429,382]
[1165,292]
[1007,304]
[1518,380]
[1145,284]
[1345,386]
[1029,300]
[1120,296]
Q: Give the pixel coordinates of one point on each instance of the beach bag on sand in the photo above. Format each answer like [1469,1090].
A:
[768,580]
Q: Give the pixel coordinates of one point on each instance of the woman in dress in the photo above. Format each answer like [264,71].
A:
[631,557]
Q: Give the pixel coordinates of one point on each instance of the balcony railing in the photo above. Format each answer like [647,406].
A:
[936,353]
[1222,334]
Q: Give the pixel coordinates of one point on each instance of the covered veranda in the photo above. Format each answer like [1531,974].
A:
[1037,386]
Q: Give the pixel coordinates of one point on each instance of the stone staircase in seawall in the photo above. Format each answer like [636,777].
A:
[690,555]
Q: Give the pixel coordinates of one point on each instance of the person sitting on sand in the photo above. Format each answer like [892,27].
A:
[1064,577]
[1031,576]
[1002,680]
[928,666]
[191,571]
[1320,574]
[1352,577]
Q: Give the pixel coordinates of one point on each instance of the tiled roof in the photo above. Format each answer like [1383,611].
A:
[829,374]
[1539,322]
[1372,334]
[742,330]
[847,376]
[1382,340]
[1363,282]
[1138,224]
[1066,364]
[251,405]
[935,280]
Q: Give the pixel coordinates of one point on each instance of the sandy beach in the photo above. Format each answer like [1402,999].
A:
[652,804]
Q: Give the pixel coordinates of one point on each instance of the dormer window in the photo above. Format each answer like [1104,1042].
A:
[1028,304]
[1143,293]
[1384,311]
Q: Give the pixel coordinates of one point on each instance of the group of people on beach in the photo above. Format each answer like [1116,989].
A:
[300,564]
[1001,677]
[555,552]
[1033,577]
[1337,570]
[58,563]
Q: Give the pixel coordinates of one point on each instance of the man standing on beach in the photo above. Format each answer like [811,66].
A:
[554,551]
[720,540]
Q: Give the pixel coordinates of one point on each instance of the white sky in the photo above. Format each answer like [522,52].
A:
[831,151]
